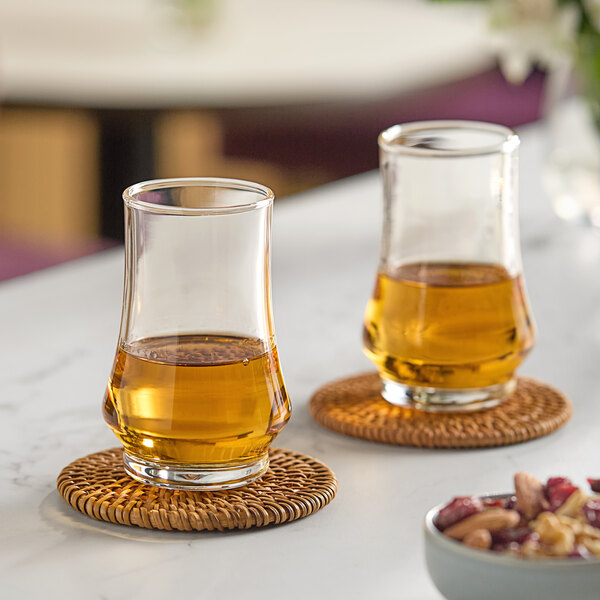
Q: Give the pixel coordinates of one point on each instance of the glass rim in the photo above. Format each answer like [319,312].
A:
[508,143]
[131,199]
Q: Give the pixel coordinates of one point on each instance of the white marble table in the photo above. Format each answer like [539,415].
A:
[59,330]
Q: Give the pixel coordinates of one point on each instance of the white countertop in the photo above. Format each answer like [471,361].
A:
[59,330]
[135,53]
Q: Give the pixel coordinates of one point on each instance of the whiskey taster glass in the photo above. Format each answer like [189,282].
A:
[196,394]
[448,322]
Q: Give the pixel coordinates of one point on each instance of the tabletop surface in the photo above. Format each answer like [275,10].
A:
[59,330]
[136,53]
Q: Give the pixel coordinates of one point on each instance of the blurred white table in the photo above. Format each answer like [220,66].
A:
[134,53]
[59,330]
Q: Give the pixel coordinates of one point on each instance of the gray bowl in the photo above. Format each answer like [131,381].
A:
[462,573]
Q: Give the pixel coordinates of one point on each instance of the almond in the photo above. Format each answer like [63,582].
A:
[479,538]
[492,520]
[530,494]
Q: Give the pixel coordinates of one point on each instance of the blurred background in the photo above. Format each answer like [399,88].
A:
[95,96]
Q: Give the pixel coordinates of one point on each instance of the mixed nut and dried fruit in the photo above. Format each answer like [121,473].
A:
[552,520]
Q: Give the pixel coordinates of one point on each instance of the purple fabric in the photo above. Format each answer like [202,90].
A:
[18,257]
[484,97]
[341,138]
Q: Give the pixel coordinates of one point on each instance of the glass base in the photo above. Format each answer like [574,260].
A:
[198,477]
[431,399]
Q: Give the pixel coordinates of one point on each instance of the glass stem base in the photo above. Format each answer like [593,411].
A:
[432,399]
[195,477]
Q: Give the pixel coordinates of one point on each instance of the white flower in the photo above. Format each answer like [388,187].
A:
[527,32]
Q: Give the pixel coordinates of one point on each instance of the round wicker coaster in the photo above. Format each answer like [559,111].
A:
[353,406]
[294,487]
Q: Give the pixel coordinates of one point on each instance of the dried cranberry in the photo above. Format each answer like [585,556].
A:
[594,484]
[493,503]
[558,494]
[510,503]
[591,511]
[460,508]
[513,547]
[516,534]
[554,482]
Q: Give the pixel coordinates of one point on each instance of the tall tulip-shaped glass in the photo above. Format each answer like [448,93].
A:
[448,322]
[196,394]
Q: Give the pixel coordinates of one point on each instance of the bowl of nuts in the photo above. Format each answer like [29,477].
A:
[540,542]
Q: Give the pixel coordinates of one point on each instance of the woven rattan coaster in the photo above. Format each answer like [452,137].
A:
[353,406]
[294,486]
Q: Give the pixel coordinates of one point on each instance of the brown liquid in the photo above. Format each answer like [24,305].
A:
[448,325]
[196,399]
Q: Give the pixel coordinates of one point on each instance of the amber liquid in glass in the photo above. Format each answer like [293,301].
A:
[196,399]
[448,325]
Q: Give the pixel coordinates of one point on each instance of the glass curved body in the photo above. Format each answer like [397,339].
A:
[196,394]
[448,322]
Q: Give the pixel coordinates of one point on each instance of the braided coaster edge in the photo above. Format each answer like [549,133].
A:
[353,406]
[294,486]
